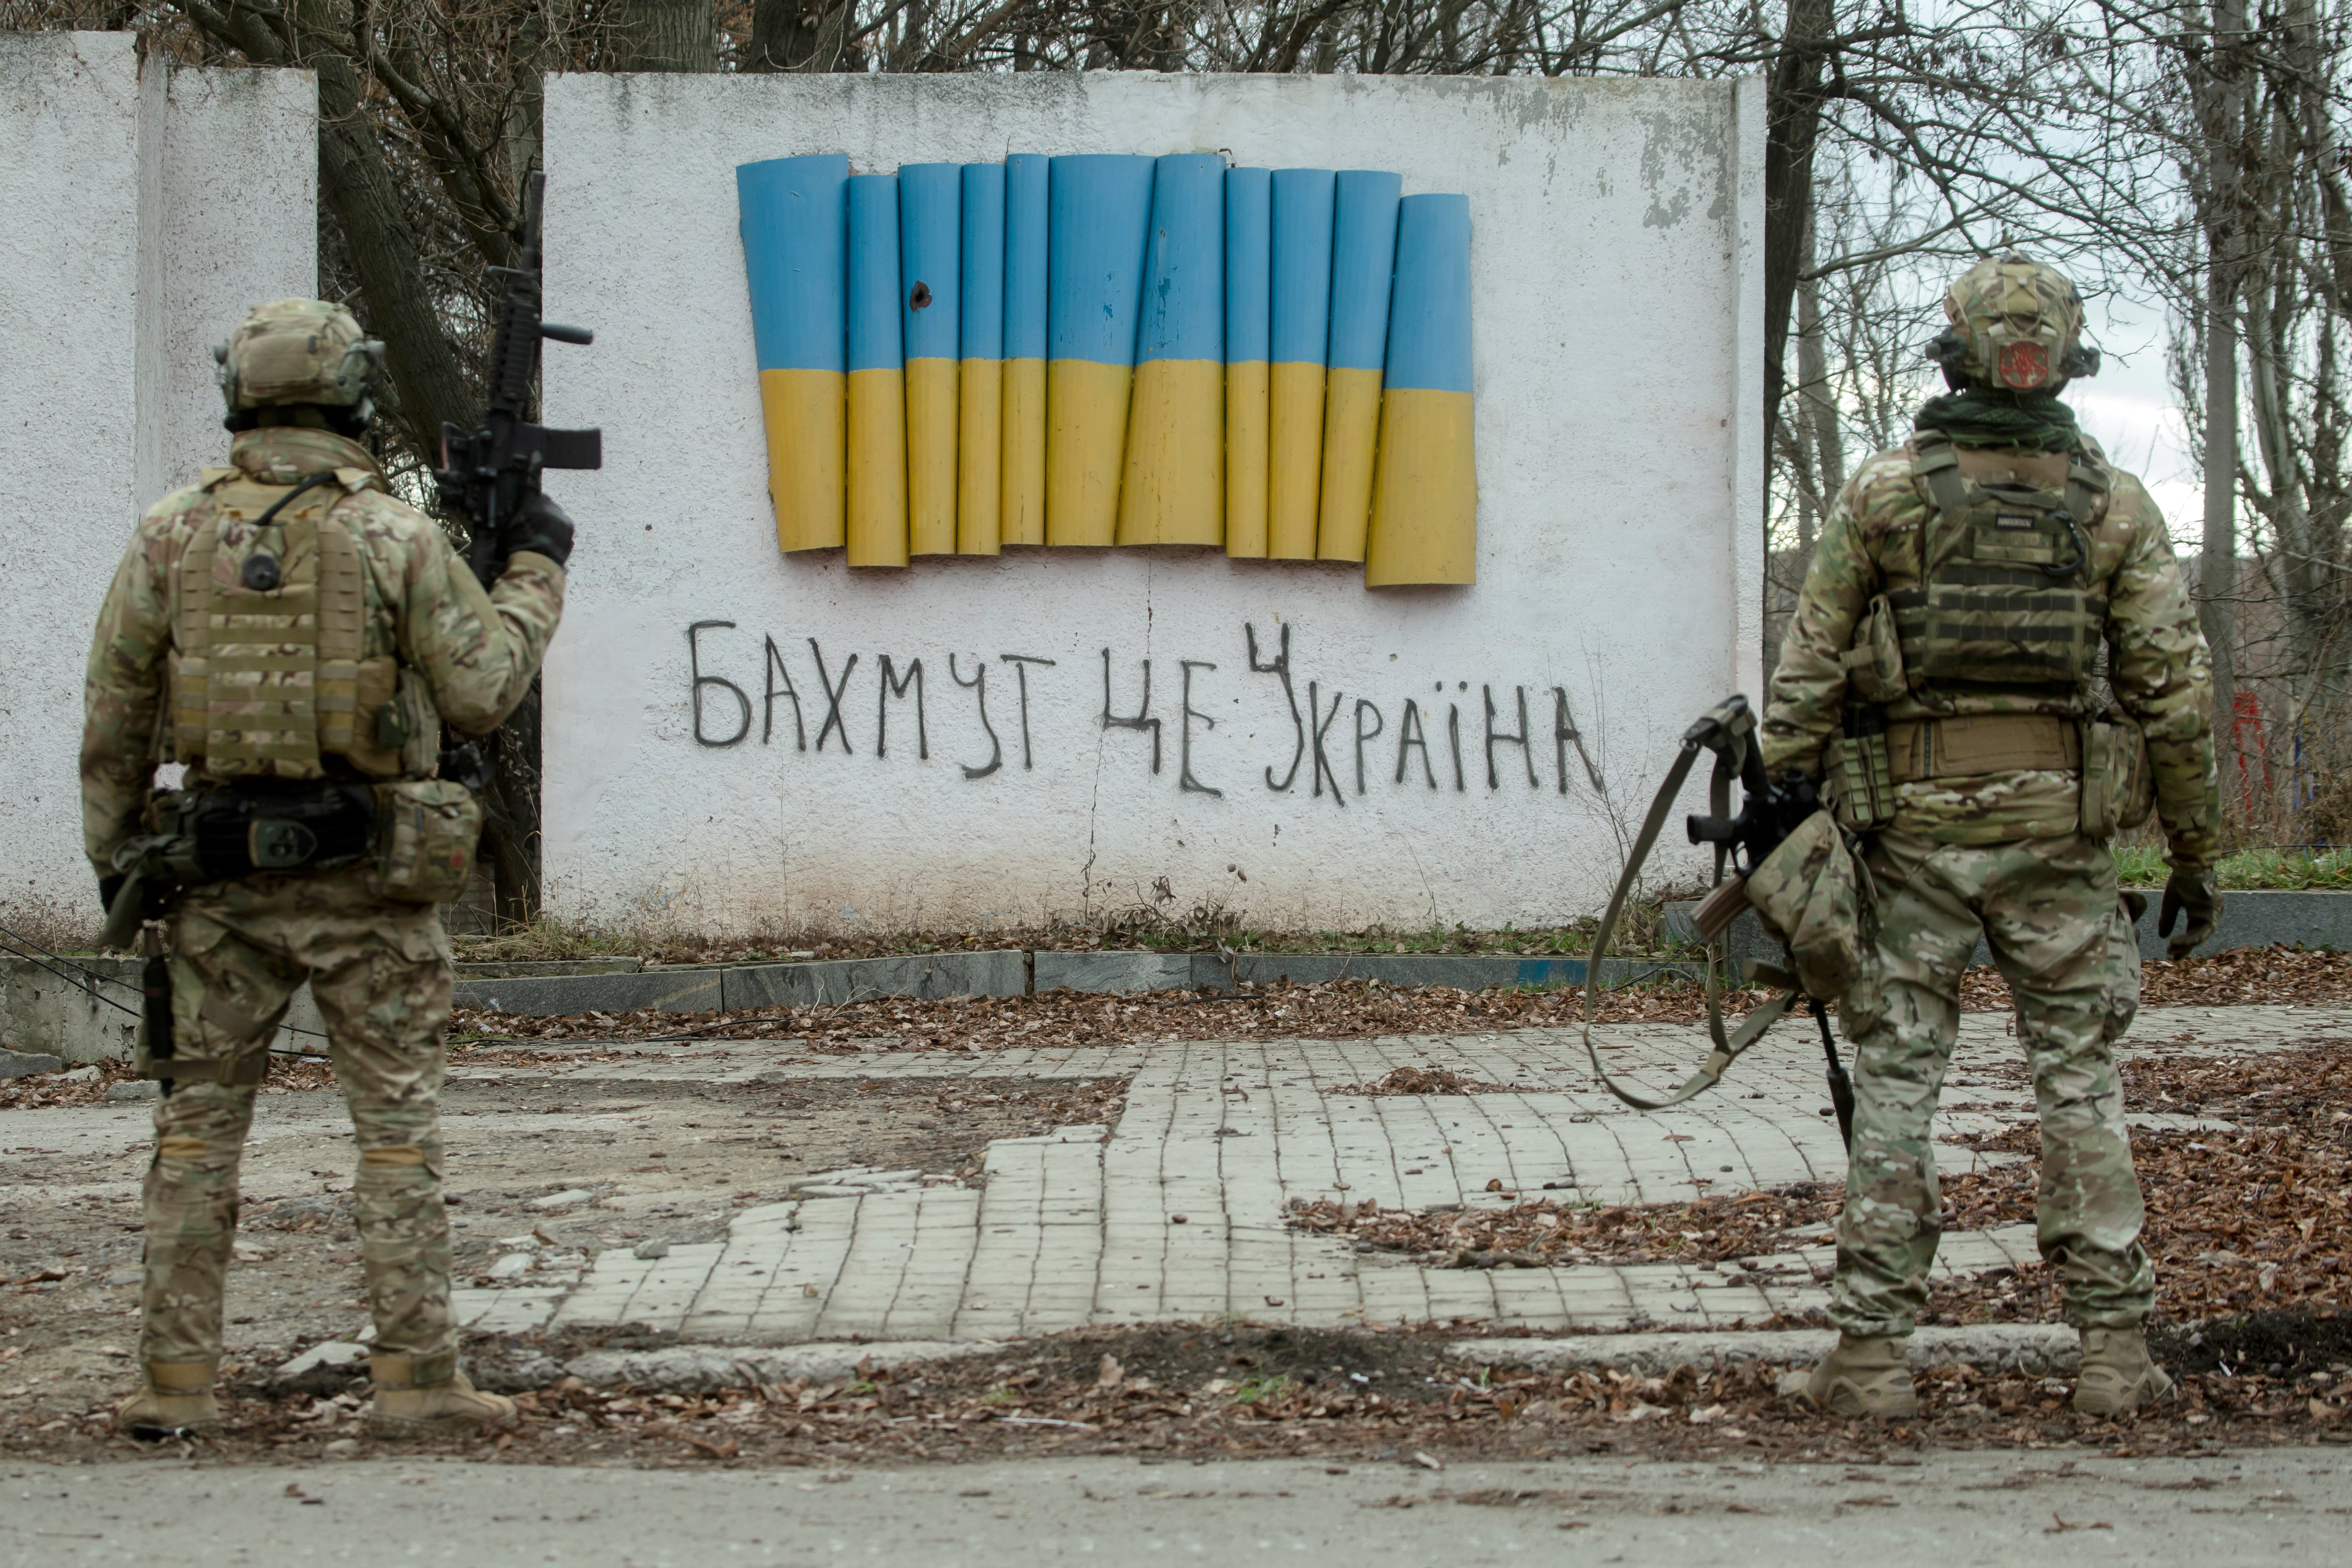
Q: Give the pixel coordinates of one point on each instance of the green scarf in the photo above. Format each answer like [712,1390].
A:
[2030,421]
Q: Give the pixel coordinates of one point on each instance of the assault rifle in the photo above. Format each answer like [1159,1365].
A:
[485,475]
[1767,813]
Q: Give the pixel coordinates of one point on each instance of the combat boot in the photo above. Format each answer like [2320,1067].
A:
[176,1397]
[416,1397]
[1863,1377]
[2119,1375]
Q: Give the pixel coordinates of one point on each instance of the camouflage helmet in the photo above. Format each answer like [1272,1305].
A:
[2016,326]
[296,352]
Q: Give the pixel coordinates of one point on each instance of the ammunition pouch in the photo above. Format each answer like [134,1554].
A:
[427,830]
[2118,784]
[1874,664]
[1811,893]
[1860,785]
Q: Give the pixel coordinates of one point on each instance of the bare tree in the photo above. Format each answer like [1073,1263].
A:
[2177,150]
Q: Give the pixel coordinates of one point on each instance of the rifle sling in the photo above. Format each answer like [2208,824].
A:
[1728,1048]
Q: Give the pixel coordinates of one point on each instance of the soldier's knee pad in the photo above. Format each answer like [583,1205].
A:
[189,1154]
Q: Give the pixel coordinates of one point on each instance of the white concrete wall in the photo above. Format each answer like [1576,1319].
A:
[141,220]
[1615,273]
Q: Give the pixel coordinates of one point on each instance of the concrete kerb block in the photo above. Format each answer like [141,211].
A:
[1114,972]
[26,1064]
[1467,972]
[2036,1350]
[2250,917]
[661,990]
[77,1009]
[927,977]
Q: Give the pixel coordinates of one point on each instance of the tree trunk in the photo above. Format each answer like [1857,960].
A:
[510,838]
[662,35]
[783,34]
[428,383]
[1827,444]
[1793,96]
[2222,111]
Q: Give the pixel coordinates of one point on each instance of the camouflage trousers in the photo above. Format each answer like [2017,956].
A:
[380,974]
[2048,911]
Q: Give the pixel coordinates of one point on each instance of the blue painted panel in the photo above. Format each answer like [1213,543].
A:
[982,297]
[1363,257]
[874,302]
[1183,263]
[1428,317]
[1302,266]
[1249,264]
[794,220]
[1027,178]
[930,242]
[1101,211]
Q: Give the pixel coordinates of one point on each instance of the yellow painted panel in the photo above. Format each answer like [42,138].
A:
[1021,519]
[804,411]
[1245,449]
[1425,497]
[878,467]
[1086,444]
[1174,491]
[1351,427]
[931,436]
[1294,490]
[979,456]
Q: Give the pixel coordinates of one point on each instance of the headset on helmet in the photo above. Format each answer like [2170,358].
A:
[2016,326]
[294,354]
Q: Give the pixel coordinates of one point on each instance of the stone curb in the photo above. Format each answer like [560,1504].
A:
[2250,917]
[71,1015]
[24,1064]
[697,1369]
[2034,1349]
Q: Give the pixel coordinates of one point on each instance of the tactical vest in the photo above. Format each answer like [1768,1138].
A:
[266,682]
[2005,597]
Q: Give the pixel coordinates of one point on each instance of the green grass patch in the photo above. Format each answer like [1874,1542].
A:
[1254,1389]
[2292,870]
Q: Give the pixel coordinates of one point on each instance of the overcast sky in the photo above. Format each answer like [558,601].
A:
[2130,409]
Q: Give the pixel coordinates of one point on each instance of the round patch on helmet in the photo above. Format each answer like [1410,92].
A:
[2024,366]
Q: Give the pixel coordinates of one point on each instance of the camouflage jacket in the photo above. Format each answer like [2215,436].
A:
[477,650]
[2157,667]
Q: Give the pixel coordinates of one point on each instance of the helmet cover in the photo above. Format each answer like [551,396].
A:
[292,352]
[2016,325]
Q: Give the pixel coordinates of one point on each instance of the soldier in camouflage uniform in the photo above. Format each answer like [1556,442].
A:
[296,635]
[1954,614]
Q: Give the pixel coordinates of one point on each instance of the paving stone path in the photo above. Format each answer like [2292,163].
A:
[1180,1214]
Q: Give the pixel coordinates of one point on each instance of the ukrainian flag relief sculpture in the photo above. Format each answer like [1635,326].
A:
[1114,350]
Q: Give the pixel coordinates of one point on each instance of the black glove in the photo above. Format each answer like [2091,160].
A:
[108,885]
[2190,893]
[539,526]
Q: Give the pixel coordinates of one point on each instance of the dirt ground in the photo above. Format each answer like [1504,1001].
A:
[672,1163]
[1226,1390]
[689,1156]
